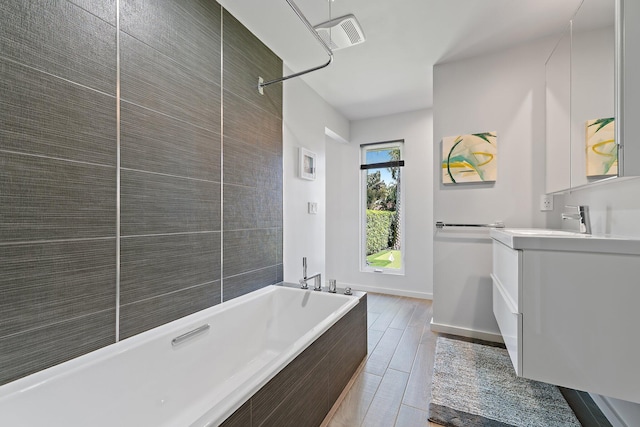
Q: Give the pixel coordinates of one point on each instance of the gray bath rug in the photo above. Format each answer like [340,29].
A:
[475,385]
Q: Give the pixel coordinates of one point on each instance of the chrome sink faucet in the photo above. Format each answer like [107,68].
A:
[317,278]
[582,216]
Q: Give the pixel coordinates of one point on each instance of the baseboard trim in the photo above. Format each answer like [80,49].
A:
[465,332]
[389,291]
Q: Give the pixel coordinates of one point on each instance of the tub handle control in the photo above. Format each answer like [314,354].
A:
[347,291]
[188,335]
[332,286]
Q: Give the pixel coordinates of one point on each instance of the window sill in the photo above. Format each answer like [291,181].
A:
[385,272]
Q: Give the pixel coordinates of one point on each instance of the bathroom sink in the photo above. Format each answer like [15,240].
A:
[543,232]
[562,240]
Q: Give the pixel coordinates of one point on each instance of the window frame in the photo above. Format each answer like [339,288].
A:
[364,267]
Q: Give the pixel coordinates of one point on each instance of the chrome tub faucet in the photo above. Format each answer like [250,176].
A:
[317,278]
[582,216]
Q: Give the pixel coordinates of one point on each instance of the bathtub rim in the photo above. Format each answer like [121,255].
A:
[218,413]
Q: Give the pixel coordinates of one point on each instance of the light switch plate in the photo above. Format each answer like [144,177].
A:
[312,208]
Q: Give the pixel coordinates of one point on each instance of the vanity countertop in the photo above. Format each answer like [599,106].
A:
[562,240]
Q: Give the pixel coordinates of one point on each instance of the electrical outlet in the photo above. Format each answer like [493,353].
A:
[546,202]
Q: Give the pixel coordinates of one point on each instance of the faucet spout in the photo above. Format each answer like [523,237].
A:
[317,282]
[317,278]
[582,217]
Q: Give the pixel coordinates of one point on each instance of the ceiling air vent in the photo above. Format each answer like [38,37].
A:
[341,32]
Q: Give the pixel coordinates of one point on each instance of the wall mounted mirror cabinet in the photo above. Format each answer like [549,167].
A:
[558,120]
[590,87]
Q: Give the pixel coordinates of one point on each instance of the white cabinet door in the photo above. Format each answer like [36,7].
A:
[580,321]
[510,323]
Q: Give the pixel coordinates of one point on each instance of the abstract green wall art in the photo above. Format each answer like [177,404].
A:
[470,158]
[602,150]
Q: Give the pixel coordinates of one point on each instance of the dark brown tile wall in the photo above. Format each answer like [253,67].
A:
[252,143]
[59,168]
[36,349]
[57,184]
[34,121]
[143,315]
[62,39]
[241,284]
[155,265]
[156,142]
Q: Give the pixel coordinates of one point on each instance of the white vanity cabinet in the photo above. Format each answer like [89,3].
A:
[507,282]
[568,307]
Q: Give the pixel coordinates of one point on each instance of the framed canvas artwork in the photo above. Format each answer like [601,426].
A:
[470,158]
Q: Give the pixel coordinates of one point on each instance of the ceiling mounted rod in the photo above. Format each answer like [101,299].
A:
[305,21]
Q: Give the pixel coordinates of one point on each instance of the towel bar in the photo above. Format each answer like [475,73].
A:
[498,224]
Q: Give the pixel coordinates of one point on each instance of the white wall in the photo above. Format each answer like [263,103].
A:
[614,207]
[306,118]
[502,92]
[343,205]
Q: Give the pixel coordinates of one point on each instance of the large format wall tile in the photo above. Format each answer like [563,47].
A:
[156,265]
[279,272]
[43,283]
[252,146]
[240,418]
[160,204]
[245,164]
[279,245]
[155,81]
[241,208]
[187,31]
[103,9]
[251,207]
[245,59]
[241,284]
[45,199]
[144,315]
[62,39]
[154,142]
[171,159]
[348,353]
[271,202]
[294,411]
[248,123]
[35,121]
[36,349]
[248,250]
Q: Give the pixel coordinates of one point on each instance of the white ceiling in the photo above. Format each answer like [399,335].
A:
[392,71]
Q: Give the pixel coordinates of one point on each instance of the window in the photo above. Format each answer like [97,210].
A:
[381,206]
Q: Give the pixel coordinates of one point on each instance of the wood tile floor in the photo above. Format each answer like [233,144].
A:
[393,386]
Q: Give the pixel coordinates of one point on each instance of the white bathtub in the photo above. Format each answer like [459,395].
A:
[147,381]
